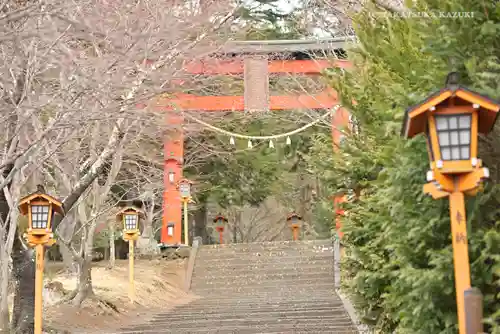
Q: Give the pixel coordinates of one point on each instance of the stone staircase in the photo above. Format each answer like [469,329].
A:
[274,287]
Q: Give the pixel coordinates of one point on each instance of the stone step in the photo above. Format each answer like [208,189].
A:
[246,327]
[274,265]
[264,280]
[270,296]
[257,276]
[202,310]
[215,260]
[266,288]
[270,244]
[268,247]
[297,301]
[272,268]
[339,317]
[242,322]
[277,252]
[274,275]
[231,313]
[271,251]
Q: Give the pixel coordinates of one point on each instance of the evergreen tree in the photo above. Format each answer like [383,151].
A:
[399,254]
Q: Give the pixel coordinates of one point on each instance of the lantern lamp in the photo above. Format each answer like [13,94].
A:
[130,217]
[451,120]
[184,187]
[219,221]
[294,220]
[40,209]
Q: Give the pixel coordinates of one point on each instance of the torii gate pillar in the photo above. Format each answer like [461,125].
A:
[172,206]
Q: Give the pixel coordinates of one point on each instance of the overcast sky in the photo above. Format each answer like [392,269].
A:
[284,5]
[287,5]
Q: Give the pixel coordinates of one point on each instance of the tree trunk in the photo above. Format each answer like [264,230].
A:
[4,284]
[235,236]
[23,273]
[66,230]
[112,249]
[84,287]
[200,218]
[24,300]
[4,258]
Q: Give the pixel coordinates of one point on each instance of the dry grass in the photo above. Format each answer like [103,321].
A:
[158,285]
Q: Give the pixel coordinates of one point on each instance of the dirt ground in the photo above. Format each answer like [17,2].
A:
[158,284]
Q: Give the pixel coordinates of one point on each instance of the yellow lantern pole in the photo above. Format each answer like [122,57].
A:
[39,287]
[460,253]
[186,225]
[131,285]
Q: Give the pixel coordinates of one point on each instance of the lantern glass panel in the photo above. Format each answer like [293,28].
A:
[39,216]
[170,229]
[454,136]
[130,221]
[429,145]
[185,190]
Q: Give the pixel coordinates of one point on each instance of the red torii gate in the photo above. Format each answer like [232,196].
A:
[255,68]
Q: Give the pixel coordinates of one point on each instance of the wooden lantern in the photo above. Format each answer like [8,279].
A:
[130,217]
[451,120]
[294,220]
[184,187]
[40,209]
[220,221]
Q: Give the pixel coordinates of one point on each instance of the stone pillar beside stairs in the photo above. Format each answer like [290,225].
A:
[146,246]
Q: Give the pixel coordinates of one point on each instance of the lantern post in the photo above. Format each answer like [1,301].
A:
[40,209]
[294,220]
[451,120]
[130,218]
[219,221]
[184,187]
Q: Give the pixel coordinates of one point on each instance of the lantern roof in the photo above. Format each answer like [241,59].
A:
[415,118]
[128,209]
[24,203]
[219,216]
[184,180]
[293,215]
